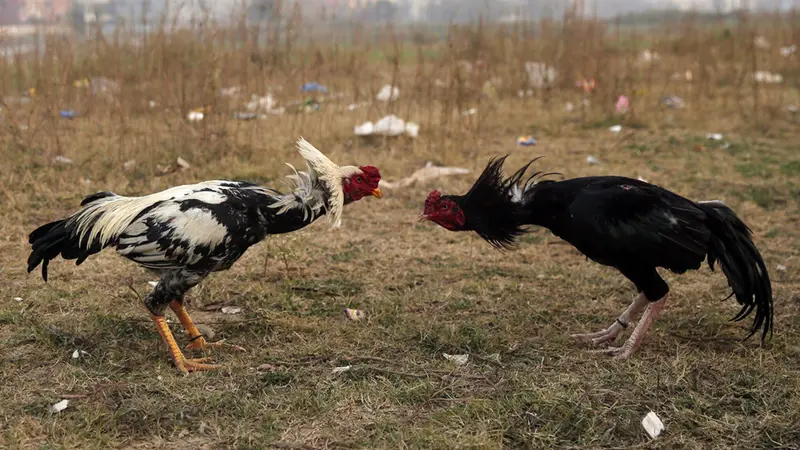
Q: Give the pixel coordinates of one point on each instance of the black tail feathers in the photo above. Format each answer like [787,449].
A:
[741,262]
[57,238]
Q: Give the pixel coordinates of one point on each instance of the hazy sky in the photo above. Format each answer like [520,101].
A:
[605,8]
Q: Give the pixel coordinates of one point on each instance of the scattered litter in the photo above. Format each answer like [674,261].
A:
[539,74]
[314,87]
[213,306]
[342,369]
[522,93]
[685,76]
[182,163]
[762,76]
[621,107]
[652,425]
[205,330]
[67,113]
[245,115]
[354,106]
[792,109]
[649,56]
[103,86]
[714,136]
[673,101]
[569,107]
[526,140]
[230,91]
[642,179]
[152,104]
[264,104]
[615,128]
[470,112]
[390,125]
[21,100]
[62,160]
[78,353]
[86,181]
[761,42]
[412,129]
[780,268]
[18,299]
[388,93]
[195,116]
[354,314]
[788,51]
[153,283]
[427,173]
[365,129]
[458,360]
[129,165]
[587,85]
[231,310]
[592,160]
[60,406]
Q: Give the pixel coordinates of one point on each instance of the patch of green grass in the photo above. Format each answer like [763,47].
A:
[637,149]
[791,168]
[766,197]
[755,170]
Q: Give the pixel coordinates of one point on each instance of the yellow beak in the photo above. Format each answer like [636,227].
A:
[377,193]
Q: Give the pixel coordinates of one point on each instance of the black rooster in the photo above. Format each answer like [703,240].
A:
[187,232]
[620,222]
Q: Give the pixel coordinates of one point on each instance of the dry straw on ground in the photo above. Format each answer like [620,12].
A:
[425,291]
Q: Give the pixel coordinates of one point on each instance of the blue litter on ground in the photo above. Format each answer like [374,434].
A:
[314,87]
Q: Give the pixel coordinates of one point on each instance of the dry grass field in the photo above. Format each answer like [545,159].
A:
[425,291]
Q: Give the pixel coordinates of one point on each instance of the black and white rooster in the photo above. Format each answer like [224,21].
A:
[187,232]
[620,222]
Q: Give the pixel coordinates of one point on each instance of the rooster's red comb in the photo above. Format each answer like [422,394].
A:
[371,172]
[430,202]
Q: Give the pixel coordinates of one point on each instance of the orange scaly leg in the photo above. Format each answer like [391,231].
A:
[183,364]
[197,339]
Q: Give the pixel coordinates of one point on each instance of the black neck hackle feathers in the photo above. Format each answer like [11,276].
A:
[492,208]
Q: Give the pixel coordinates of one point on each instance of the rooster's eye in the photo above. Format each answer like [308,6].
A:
[444,207]
[359,180]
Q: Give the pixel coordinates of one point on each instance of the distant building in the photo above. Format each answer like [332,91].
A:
[10,12]
[44,11]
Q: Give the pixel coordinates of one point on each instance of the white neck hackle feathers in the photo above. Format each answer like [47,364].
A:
[330,175]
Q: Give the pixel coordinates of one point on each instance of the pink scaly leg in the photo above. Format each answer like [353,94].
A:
[610,333]
[637,336]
